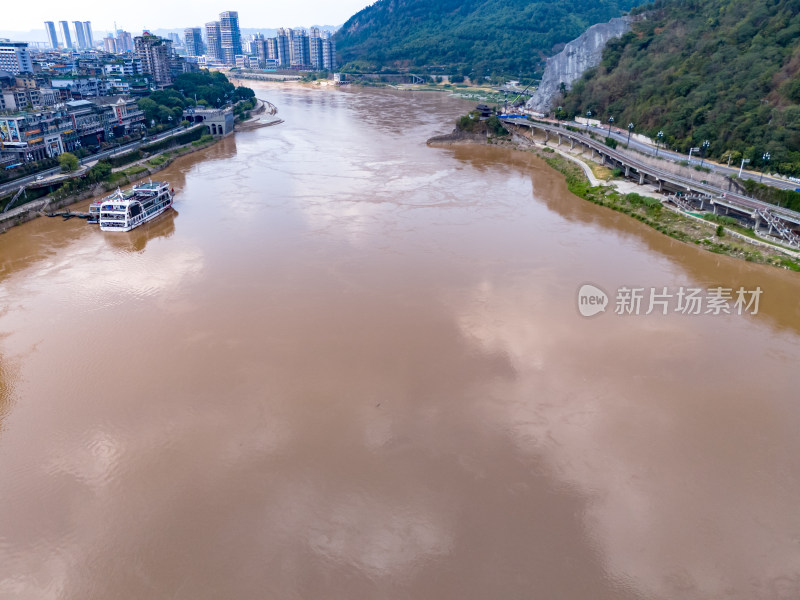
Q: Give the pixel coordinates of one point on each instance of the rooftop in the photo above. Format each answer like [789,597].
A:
[79,103]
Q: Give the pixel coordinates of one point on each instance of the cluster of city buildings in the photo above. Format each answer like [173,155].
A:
[81,92]
[33,135]
[295,49]
[64,99]
[223,44]
[83,35]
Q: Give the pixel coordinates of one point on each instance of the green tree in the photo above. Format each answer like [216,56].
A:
[244,93]
[734,156]
[150,108]
[99,172]
[68,162]
[164,114]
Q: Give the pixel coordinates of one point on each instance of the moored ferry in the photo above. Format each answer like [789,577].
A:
[123,211]
[94,211]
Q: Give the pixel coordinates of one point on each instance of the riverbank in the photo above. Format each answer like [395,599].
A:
[594,182]
[472,93]
[118,177]
[127,174]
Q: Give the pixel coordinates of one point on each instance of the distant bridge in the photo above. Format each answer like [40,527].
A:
[391,77]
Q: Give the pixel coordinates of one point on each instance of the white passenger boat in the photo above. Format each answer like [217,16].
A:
[94,211]
[123,211]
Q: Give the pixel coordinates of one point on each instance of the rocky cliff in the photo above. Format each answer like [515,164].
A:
[582,53]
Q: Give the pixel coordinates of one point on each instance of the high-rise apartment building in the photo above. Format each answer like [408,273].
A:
[87,30]
[328,51]
[50,28]
[283,48]
[15,58]
[80,37]
[124,41]
[110,44]
[213,41]
[193,39]
[260,50]
[301,55]
[272,49]
[65,36]
[315,49]
[290,33]
[154,53]
[231,39]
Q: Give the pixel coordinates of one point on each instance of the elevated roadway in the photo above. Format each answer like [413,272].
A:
[664,180]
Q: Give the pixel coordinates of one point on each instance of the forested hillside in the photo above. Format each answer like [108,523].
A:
[726,71]
[470,37]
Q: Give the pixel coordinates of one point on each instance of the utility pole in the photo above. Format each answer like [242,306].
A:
[744,162]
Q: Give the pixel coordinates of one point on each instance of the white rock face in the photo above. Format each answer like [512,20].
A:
[582,53]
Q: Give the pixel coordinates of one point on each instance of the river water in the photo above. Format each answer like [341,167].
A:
[348,365]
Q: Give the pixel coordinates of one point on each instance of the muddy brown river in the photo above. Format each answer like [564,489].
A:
[348,366]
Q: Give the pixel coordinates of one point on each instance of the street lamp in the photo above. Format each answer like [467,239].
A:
[705,146]
[610,123]
[659,138]
[588,116]
[630,130]
[766,160]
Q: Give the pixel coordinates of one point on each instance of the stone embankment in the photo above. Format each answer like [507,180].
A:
[459,137]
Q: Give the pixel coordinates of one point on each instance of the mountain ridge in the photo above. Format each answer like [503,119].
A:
[468,37]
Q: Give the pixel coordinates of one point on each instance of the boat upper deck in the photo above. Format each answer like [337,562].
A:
[151,186]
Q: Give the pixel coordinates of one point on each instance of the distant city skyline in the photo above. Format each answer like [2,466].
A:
[150,14]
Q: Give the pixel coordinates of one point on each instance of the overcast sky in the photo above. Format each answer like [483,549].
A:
[135,15]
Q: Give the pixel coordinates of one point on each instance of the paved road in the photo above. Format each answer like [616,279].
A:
[622,136]
[722,196]
[87,160]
